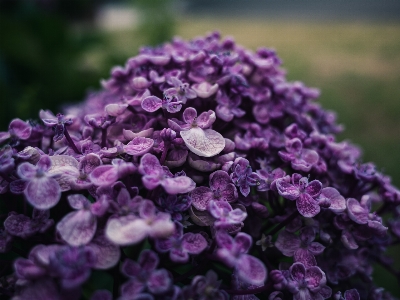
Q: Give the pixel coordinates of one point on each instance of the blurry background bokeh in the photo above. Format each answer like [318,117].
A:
[53,52]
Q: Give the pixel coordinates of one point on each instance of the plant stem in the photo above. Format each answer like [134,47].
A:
[103,137]
[70,141]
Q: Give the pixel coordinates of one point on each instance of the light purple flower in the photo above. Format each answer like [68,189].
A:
[180,90]
[225,215]
[348,295]
[41,190]
[108,174]
[301,159]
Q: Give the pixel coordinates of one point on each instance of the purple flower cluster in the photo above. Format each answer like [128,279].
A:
[197,172]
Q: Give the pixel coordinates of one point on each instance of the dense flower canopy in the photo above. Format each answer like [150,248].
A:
[196,172]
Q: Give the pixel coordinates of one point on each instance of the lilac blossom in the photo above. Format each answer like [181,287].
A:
[348,295]
[18,130]
[180,90]
[301,159]
[221,189]
[303,192]
[180,245]
[233,252]
[225,215]
[41,190]
[243,176]
[24,227]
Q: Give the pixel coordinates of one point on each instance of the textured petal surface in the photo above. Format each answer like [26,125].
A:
[251,270]
[43,193]
[178,185]
[151,103]
[193,243]
[205,143]
[307,206]
[139,146]
[126,230]
[201,196]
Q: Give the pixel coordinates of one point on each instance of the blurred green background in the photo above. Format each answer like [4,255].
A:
[53,52]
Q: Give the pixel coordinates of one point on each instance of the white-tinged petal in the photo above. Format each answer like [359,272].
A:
[127,230]
[205,143]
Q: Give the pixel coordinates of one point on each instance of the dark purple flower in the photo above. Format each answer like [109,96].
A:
[58,122]
[243,176]
[221,189]
[348,295]
[205,288]
[303,192]
[24,227]
[302,247]
[175,205]
[144,275]
[180,245]
[233,252]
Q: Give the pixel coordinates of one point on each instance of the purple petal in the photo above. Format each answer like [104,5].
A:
[298,272]
[305,257]
[26,269]
[150,165]
[338,203]
[139,146]
[201,196]
[206,119]
[219,179]
[307,235]
[126,230]
[314,188]
[243,242]
[150,182]
[356,212]
[316,248]
[229,194]
[104,175]
[26,171]
[44,163]
[151,103]
[77,228]
[178,185]
[351,295]
[205,89]
[89,163]
[307,206]
[148,260]
[287,243]
[43,192]
[219,209]
[20,128]
[224,240]
[115,109]
[236,216]
[193,243]
[348,240]
[16,186]
[205,143]
[201,218]
[159,282]
[132,287]
[78,201]
[251,270]
[315,278]
[189,115]
[176,158]
[107,254]
[287,190]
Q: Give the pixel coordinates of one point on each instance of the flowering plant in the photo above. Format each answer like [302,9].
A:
[198,172]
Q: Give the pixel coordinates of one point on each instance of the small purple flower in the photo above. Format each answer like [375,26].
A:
[180,245]
[154,175]
[221,189]
[348,295]
[24,227]
[243,176]
[41,190]
[233,252]
[180,90]
[302,247]
[174,205]
[196,135]
[139,146]
[268,179]
[108,174]
[303,192]
[228,107]
[144,276]
[58,122]
[17,130]
[301,159]
[170,103]
[308,283]
[225,215]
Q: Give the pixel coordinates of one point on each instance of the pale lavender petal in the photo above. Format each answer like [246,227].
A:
[206,119]
[236,216]
[326,292]
[139,146]
[205,89]
[107,254]
[151,103]
[178,185]
[219,179]
[307,206]
[26,171]
[201,196]
[348,240]
[193,243]
[115,109]
[44,163]
[205,143]
[189,115]
[78,201]
[150,165]
[162,227]
[150,182]
[243,242]
[77,228]
[43,192]
[126,230]
[218,209]
[338,203]
[104,175]
[251,270]
[179,255]
[89,163]
[20,128]
[356,212]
